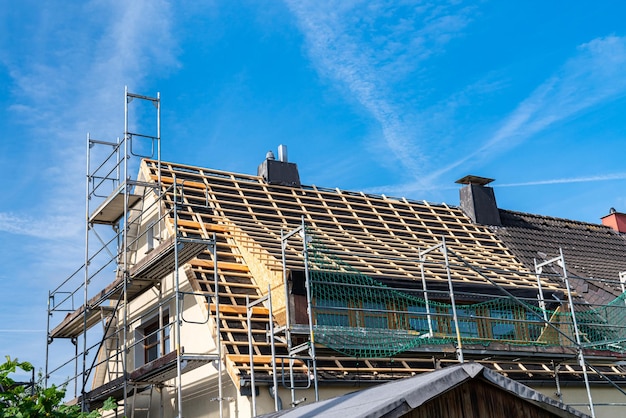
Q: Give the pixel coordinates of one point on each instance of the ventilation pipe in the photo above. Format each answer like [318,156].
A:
[282,153]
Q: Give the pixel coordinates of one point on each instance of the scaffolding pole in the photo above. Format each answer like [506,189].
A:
[249,308]
[422,260]
[283,247]
[177,319]
[310,344]
[540,297]
[309,308]
[560,262]
[273,347]
[444,250]
[125,367]
[218,332]
[581,354]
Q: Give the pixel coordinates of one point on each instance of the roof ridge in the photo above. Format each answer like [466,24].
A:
[555,218]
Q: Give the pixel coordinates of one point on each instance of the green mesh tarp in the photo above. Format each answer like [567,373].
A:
[361,317]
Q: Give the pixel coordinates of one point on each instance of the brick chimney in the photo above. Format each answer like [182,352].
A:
[478,201]
[615,220]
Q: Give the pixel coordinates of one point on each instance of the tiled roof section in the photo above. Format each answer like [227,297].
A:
[590,250]
[373,234]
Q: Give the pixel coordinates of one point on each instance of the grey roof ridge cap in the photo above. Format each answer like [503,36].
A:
[553,218]
[537,398]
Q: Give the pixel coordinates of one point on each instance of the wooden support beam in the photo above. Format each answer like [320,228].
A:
[222,265]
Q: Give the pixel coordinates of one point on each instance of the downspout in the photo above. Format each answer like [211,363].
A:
[276,397]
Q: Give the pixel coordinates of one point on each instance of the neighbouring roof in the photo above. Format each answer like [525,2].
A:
[395,399]
[594,254]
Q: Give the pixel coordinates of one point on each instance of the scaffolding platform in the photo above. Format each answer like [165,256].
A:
[164,368]
[95,398]
[112,209]
[161,261]
[155,372]
[74,323]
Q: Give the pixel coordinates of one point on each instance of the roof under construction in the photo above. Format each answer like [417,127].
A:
[387,243]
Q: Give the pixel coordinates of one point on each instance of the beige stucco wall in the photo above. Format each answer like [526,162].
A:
[600,394]
[200,393]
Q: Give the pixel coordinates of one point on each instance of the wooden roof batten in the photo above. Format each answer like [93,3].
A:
[250,231]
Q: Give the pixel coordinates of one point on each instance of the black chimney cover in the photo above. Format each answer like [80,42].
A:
[279,172]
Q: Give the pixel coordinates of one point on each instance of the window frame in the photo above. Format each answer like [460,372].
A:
[152,336]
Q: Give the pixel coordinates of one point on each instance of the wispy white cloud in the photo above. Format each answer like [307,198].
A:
[76,86]
[367,47]
[587,179]
[405,189]
[593,76]
[23,331]
[54,226]
[67,78]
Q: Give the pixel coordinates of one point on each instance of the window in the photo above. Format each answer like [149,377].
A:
[155,339]
[375,315]
[418,319]
[332,312]
[502,324]
[467,322]
[534,326]
[150,238]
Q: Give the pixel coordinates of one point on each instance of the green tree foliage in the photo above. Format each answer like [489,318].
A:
[20,402]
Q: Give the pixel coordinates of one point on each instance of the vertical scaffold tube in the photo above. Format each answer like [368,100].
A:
[179,384]
[86,282]
[218,325]
[307,278]
[428,315]
[125,252]
[48,341]
[273,347]
[581,355]
[455,318]
[542,302]
[251,354]
[283,244]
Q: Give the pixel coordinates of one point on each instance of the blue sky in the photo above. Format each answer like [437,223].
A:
[393,97]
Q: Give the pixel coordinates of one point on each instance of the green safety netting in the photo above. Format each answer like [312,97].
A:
[362,317]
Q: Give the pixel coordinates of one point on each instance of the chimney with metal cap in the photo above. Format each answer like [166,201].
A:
[615,220]
[478,201]
[279,171]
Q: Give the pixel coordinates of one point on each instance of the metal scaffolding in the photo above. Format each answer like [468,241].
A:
[126,230]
